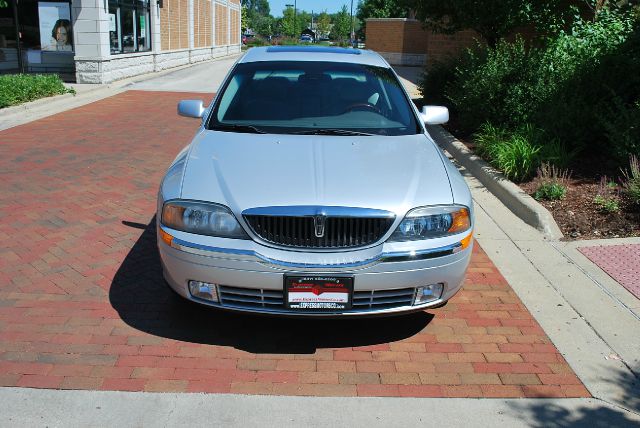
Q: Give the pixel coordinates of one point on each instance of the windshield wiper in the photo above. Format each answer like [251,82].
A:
[331,131]
[237,128]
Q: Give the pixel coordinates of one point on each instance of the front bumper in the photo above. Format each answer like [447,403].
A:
[250,276]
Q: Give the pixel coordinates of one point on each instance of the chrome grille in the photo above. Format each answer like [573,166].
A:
[250,298]
[383,299]
[339,232]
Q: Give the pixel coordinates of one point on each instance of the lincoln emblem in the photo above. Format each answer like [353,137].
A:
[318,222]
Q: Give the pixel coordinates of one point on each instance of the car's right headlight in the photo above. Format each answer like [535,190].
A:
[432,222]
[202,218]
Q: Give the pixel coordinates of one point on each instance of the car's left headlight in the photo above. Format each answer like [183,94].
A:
[432,222]
[202,218]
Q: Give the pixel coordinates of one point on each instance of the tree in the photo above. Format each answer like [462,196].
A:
[341,25]
[303,21]
[260,7]
[493,20]
[324,24]
[244,21]
[293,24]
[380,9]
[263,25]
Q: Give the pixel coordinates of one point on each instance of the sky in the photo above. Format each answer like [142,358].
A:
[331,6]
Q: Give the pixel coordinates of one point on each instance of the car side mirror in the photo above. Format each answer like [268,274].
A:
[435,115]
[191,108]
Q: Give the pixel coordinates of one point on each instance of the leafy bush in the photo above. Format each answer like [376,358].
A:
[433,82]
[607,196]
[589,86]
[20,88]
[257,41]
[513,153]
[550,191]
[485,86]
[606,204]
[621,124]
[553,182]
[580,85]
[631,180]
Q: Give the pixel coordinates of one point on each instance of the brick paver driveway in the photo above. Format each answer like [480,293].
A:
[83,305]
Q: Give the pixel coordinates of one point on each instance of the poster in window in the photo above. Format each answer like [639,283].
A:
[112,22]
[55,27]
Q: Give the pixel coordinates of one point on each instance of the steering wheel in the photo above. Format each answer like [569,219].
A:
[362,106]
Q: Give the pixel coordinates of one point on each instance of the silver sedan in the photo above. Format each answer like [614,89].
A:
[313,188]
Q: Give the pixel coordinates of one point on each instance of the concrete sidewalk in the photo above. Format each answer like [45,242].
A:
[25,407]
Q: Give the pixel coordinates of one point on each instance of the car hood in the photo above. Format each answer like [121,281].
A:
[253,170]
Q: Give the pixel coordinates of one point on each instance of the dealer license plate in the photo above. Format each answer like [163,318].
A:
[318,292]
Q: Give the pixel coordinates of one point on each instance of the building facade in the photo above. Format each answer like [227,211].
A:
[100,41]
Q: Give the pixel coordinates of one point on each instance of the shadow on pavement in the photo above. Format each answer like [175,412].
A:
[143,301]
[549,415]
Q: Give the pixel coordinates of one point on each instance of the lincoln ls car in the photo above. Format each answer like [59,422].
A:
[313,188]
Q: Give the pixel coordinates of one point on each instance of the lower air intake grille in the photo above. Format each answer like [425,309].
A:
[251,298]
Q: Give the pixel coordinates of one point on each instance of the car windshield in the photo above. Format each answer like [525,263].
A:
[312,97]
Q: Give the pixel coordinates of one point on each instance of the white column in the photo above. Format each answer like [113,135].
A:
[156,38]
[91,41]
[228,24]
[191,26]
[213,22]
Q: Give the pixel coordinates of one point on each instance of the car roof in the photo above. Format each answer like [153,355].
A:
[313,53]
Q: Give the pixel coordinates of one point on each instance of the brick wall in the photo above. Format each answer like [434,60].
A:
[396,38]
[174,25]
[406,37]
[202,23]
[221,25]
[235,27]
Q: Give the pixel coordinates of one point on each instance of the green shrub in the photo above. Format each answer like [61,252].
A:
[553,182]
[606,204]
[555,153]
[433,82]
[621,124]
[257,41]
[631,180]
[513,153]
[607,197]
[20,88]
[589,85]
[550,191]
[487,85]
[581,86]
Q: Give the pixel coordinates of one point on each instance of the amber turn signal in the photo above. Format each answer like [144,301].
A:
[461,221]
[166,238]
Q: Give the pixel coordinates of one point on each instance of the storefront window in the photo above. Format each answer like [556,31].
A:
[129,29]
[37,36]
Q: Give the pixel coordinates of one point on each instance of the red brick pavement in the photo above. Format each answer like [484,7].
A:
[83,306]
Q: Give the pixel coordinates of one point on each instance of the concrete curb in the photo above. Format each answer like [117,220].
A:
[520,203]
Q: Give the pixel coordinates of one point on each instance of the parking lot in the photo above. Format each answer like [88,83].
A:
[83,304]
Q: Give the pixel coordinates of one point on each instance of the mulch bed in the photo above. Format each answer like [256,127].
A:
[579,217]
